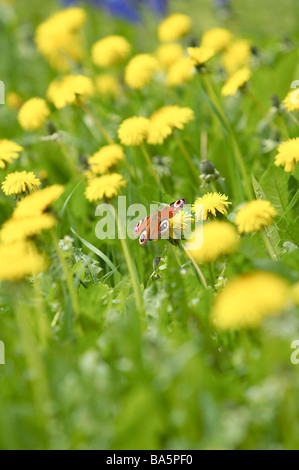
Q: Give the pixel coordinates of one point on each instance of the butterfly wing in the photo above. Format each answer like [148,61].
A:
[153,226]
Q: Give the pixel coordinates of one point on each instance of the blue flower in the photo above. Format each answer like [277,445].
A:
[128,9]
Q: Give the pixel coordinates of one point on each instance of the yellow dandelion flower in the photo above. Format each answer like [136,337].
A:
[70,90]
[180,224]
[107,86]
[133,131]
[174,27]
[288,154]
[110,51]
[140,71]
[236,81]
[168,54]
[33,114]
[210,203]
[247,299]
[217,39]
[295,291]
[255,215]
[18,260]
[38,202]
[180,72]
[108,156]
[291,101]
[20,182]
[167,118]
[16,229]
[9,151]
[58,38]
[106,186]
[14,100]
[236,56]
[218,238]
[200,55]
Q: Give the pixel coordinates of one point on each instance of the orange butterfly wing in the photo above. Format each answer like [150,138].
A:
[150,227]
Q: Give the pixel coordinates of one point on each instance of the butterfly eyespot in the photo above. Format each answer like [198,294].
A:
[143,238]
[164,225]
[179,203]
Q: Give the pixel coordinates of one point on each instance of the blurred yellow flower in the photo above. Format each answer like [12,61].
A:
[200,55]
[108,156]
[255,215]
[110,51]
[106,186]
[295,289]
[107,85]
[288,154]
[58,38]
[236,81]
[33,114]
[236,56]
[133,131]
[20,182]
[9,151]
[291,101]
[168,54]
[217,39]
[16,229]
[38,202]
[140,71]
[174,27]
[210,203]
[163,121]
[70,90]
[180,72]
[18,260]
[218,238]
[247,299]
[14,100]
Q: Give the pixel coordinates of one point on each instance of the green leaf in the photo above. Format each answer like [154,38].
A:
[271,231]
[296,172]
[274,183]
[68,198]
[257,189]
[293,202]
[276,267]
[289,230]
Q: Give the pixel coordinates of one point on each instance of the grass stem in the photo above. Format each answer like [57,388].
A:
[237,152]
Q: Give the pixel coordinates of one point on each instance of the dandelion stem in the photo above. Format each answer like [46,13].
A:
[261,108]
[238,154]
[268,245]
[294,119]
[65,152]
[149,162]
[97,123]
[284,127]
[187,156]
[198,270]
[212,276]
[256,102]
[213,186]
[204,145]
